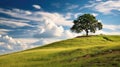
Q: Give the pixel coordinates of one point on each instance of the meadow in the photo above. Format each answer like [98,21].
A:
[91,51]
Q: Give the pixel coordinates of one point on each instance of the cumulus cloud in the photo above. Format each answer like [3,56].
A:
[37,6]
[105,7]
[8,44]
[46,24]
[55,17]
[49,29]
[68,34]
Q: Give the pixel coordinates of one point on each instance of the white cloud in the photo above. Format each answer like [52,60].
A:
[8,44]
[48,24]
[15,10]
[37,6]
[12,23]
[68,15]
[55,17]
[107,33]
[111,27]
[17,13]
[28,12]
[27,41]
[68,34]
[4,31]
[105,7]
[40,42]
[99,20]
[98,0]
[77,14]
[95,14]
[49,29]
[38,16]
[15,20]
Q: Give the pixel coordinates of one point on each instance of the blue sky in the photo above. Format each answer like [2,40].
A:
[29,23]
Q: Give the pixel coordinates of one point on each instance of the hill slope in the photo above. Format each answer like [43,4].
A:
[94,51]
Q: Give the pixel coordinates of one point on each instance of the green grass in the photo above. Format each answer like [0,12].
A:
[93,51]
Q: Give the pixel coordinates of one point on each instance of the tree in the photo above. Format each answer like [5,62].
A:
[87,23]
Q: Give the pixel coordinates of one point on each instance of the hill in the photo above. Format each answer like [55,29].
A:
[93,51]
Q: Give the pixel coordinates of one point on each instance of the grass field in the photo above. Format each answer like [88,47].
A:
[93,51]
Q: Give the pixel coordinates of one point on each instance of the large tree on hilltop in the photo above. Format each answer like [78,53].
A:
[87,23]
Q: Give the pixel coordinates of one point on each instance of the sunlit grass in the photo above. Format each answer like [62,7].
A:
[94,51]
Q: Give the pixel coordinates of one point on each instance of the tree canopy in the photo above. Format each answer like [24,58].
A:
[87,23]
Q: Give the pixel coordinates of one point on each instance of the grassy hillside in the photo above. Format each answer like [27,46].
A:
[93,51]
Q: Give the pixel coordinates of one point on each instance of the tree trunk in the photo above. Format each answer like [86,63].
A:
[86,32]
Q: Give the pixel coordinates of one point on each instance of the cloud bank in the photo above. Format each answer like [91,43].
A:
[43,26]
[8,44]
[105,7]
